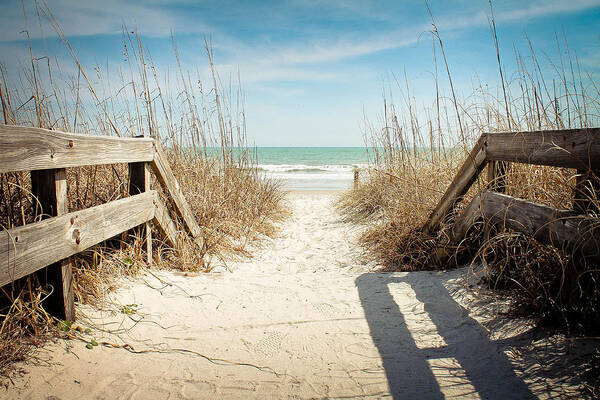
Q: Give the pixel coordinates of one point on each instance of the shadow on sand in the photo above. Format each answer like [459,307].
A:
[409,367]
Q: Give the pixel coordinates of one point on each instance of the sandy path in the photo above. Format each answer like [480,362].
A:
[304,319]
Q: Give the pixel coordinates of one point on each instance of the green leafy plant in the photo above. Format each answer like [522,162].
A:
[129,309]
[91,344]
[64,325]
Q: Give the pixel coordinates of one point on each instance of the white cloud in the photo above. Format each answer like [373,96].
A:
[273,62]
[545,8]
[258,58]
[347,48]
[92,17]
[307,61]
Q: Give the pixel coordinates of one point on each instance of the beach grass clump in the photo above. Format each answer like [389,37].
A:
[560,288]
[234,206]
[395,199]
[24,326]
[201,125]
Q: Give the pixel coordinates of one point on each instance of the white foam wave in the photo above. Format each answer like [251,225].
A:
[311,176]
[304,168]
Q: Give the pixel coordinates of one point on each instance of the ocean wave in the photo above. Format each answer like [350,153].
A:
[286,176]
[303,168]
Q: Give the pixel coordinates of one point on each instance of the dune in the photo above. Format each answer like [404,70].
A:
[307,317]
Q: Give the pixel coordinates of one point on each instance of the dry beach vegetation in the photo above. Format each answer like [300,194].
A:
[201,122]
[414,151]
[414,161]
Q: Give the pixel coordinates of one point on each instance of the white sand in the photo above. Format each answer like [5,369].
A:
[304,319]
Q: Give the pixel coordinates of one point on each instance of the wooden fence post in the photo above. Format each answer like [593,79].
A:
[356,179]
[139,182]
[49,189]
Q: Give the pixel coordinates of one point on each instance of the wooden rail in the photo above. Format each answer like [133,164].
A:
[570,148]
[569,229]
[30,149]
[564,229]
[466,176]
[27,248]
[50,242]
[161,167]
[164,222]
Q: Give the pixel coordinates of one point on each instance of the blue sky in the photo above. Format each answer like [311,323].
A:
[312,68]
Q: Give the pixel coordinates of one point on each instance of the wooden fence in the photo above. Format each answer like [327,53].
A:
[571,148]
[50,242]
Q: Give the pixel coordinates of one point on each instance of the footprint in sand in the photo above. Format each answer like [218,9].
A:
[197,390]
[326,309]
[270,345]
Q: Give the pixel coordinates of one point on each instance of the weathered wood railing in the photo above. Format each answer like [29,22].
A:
[571,148]
[50,242]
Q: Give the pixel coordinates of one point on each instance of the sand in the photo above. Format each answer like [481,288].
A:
[305,318]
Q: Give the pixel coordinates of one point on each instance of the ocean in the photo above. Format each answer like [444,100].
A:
[312,168]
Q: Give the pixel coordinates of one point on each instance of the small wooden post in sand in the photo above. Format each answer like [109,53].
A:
[356,179]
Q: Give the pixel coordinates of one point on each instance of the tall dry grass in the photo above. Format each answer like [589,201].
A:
[416,151]
[200,121]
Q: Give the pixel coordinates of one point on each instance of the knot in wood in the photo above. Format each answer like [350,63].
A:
[77,236]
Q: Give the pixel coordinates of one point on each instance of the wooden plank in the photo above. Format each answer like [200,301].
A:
[569,148]
[64,278]
[26,249]
[163,172]
[457,232]
[61,191]
[139,182]
[164,223]
[564,229]
[465,177]
[465,220]
[49,191]
[26,148]
[49,188]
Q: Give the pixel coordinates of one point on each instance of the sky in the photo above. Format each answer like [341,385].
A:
[313,69]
